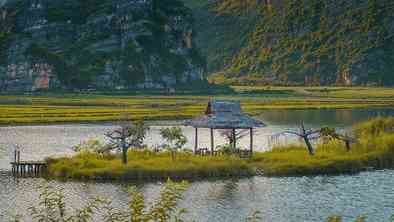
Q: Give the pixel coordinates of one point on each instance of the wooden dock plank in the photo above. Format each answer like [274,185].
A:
[27,168]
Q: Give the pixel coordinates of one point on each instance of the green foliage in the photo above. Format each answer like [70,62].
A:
[92,146]
[39,53]
[374,128]
[128,135]
[52,207]
[5,39]
[174,136]
[219,36]
[314,42]
[175,139]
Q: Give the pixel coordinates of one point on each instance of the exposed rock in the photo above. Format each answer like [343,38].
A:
[116,44]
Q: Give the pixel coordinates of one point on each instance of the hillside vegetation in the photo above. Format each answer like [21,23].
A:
[299,42]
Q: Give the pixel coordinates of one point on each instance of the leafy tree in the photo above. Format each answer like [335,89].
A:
[174,138]
[126,136]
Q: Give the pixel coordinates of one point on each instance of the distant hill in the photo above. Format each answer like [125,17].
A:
[162,44]
[297,42]
[99,44]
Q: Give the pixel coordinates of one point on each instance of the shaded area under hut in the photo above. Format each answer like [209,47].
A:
[224,115]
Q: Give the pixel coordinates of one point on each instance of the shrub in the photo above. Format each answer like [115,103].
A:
[93,146]
[175,139]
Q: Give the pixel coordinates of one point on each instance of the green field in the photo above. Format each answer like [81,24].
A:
[56,108]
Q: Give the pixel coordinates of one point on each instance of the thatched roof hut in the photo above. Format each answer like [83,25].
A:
[223,114]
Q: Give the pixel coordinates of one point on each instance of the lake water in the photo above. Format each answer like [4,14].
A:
[278,199]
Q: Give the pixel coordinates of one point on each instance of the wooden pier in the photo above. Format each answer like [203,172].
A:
[27,168]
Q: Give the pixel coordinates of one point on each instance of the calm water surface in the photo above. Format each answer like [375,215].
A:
[278,199]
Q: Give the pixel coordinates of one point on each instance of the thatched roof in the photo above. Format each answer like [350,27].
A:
[224,115]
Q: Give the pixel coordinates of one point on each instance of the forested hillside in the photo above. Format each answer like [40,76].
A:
[300,42]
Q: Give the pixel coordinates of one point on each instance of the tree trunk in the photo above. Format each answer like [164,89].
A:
[347,143]
[124,152]
[309,146]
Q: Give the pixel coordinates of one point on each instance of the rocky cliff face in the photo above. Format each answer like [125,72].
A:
[100,44]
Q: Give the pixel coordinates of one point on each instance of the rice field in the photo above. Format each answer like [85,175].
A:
[28,109]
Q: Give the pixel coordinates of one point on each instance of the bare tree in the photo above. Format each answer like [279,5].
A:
[126,136]
[307,135]
[229,136]
[332,134]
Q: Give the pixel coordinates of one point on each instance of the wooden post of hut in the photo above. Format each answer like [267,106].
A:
[234,139]
[212,142]
[196,141]
[251,141]
[224,115]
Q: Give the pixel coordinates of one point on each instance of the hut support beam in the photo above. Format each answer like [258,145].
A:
[251,141]
[196,141]
[212,142]
[234,140]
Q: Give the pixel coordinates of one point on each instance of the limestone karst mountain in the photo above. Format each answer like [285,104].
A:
[97,43]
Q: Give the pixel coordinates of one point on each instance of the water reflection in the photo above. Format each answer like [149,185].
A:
[278,199]
[319,117]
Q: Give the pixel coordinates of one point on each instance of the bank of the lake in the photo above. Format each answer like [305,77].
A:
[374,150]
[148,166]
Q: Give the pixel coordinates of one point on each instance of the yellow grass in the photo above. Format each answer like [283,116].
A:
[374,150]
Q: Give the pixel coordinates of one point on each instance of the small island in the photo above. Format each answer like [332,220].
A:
[369,147]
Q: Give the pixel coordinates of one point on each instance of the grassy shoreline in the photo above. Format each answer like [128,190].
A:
[83,108]
[374,150]
[189,167]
